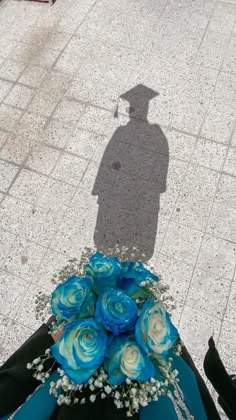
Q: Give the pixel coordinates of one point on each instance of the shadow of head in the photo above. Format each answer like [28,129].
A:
[138,99]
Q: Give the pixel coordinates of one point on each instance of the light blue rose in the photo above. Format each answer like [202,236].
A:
[116,311]
[154,331]
[104,271]
[125,359]
[81,349]
[133,275]
[73,298]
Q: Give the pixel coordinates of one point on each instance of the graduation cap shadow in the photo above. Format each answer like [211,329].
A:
[131,177]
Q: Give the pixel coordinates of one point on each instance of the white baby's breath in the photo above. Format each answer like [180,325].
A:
[92,398]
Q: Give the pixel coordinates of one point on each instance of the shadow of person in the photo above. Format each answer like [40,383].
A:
[130,179]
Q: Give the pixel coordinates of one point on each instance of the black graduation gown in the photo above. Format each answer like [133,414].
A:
[17,383]
[224,384]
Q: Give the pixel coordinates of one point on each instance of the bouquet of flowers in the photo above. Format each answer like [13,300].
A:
[117,338]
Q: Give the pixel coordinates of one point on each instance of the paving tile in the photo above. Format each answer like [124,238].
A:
[222,222]
[56,195]
[31,125]
[192,211]
[223,98]
[201,182]
[4,326]
[230,314]
[100,149]
[6,47]
[73,18]
[20,96]
[70,169]
[16,148]
[56,40]
[174,273]
[11,70]
[78,48]
[114,64]
[222,19]
[229,1]
[212,50]
[217,256]
[6,241]
[13,214]
[89,177]
[180,145]
[182,243]
[95,119]
[82,203]
[226,345]
[176,314]
[7,175]
[196,328]
[191,106]
[137,162]
[218,127]
[33,76]
[198,297]
[151,199]
[41,225]
[233,139]
[229,64]
[47,19]
[51,263]
[169,172]
[226,191]
[42,104]
[96,92]
[49,94]
[23,259]
[42,158]
[209,154]
[16,335]
[11,296]
[26,314]
[9,117]
[46,58]
[5,88]
[28,186]
[3,137]
[73,237]
[84,143]
[230,163]
[57,133]
[69,111]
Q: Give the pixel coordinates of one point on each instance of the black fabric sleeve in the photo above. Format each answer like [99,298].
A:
[100,410]
[209,405]
[16,381]
[221,380]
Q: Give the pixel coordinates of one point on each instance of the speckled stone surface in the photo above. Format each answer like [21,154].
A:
[81,167]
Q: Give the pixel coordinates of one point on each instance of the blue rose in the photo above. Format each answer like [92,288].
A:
[116,311]
[104,271]
[72,298]
[154,331]
[81,349]
[125,359]
[133,275]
